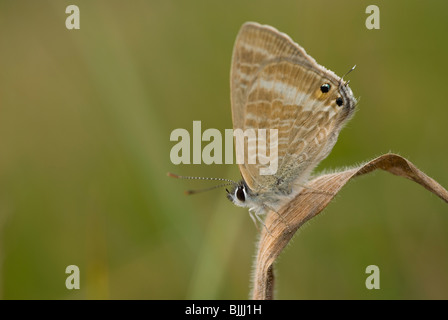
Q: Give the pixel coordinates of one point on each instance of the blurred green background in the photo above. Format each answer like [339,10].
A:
[85,123]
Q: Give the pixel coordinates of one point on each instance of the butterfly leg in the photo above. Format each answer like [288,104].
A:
[279,215]
[314,190]
[256,214]
[252,216]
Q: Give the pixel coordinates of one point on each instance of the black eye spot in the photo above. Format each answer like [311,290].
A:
[339,101]
[240,194]
[325,88]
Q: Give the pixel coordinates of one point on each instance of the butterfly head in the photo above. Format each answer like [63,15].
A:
[240,194]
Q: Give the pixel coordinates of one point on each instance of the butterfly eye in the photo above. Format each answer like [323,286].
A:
[339,101]
[325,88]
[240,194]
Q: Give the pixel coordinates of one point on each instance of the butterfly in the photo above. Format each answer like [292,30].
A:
[275,84]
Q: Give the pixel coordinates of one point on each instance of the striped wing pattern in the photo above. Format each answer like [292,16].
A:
[275,84]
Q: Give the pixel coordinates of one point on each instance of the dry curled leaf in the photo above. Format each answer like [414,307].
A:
[309,203]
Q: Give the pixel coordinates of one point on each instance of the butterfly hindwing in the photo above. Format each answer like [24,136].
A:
[276,85]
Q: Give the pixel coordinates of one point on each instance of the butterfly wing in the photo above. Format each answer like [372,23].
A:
[275,84]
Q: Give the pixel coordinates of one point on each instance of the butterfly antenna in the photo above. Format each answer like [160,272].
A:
[188,192]
[228,182]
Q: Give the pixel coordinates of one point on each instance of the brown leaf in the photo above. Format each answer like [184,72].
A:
[310,202]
